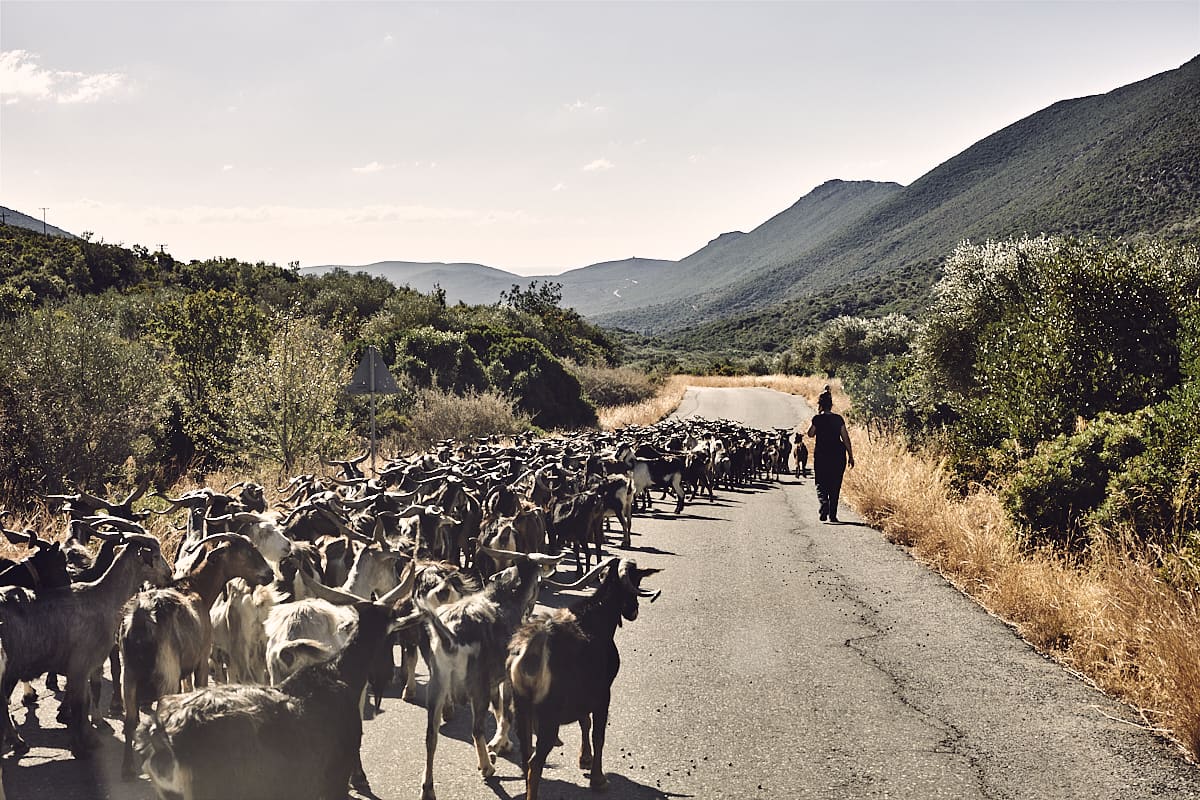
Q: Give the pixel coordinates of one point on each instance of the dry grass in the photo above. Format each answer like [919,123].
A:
[1112,619]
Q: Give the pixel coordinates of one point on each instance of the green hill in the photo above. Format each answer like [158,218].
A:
[1118,164]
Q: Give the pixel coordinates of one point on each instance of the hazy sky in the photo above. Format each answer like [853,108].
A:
[534,137]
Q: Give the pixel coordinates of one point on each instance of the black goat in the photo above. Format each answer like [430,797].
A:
[297,742]
[561,667]
[576,522]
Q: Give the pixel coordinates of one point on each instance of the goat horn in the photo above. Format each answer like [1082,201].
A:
[119,523]
[217,537]
[496,553]
[327,593]
[403,590]
[586,578]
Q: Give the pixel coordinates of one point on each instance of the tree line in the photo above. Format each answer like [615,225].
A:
[124,365]
[1063,373]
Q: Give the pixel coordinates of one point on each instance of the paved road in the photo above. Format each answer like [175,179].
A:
[786,658]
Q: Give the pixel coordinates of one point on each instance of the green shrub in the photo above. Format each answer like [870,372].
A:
[1055,491]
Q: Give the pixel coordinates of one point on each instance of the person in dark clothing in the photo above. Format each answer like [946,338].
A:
[831,453]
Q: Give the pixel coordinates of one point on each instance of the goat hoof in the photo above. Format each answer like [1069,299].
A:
[410,696]
[487,771]
[20,747]
[599,782]
[499,748]
[116,711]
[427,793]
[64,714]
[585,762]
[359,783]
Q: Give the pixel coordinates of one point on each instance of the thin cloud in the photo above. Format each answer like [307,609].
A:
[580,105]
[22,78]
[558,187]
[599,165]
[374,166]
[227,168]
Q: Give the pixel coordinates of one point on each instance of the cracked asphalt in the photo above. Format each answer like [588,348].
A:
[786,658]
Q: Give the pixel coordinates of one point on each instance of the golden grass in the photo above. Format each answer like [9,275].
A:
[1111,619]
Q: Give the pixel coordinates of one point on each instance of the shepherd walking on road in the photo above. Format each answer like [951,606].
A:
[831,453]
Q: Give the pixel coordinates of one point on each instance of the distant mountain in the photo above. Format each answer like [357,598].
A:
[623,285]
[474,284]
[1124,163]
[637,282]
[1119,164]
[16,218]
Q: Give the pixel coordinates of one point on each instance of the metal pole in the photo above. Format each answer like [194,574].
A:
[372,384]
[43,220]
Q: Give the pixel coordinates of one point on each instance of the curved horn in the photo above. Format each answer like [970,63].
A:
[403,590]
[328,594]
[118,523]
[586,578]
[217,537]
[497,554]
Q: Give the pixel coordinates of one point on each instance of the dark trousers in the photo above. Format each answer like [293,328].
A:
[827,475]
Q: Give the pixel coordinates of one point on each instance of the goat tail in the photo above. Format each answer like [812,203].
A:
[434,622]
[529,666]
[140,643]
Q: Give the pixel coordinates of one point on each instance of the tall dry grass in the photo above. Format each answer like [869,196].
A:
[1111,619]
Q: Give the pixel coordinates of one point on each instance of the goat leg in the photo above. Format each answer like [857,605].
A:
[547,734]
[29,695]
[599,724]
[116,709]
[501,699]
[585,742]
[479,707]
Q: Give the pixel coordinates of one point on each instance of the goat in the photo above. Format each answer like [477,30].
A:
[561,667]
[576,521]
[466,649]
[166,634]
[45,567]
[300,741]
[70,631]
[663,472]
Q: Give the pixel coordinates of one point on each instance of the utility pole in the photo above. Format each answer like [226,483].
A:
[3,217]
[44,209]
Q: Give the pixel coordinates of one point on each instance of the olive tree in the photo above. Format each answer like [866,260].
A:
[285,401]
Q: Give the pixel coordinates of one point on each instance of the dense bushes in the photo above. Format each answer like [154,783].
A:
[122,364]
[1061,372]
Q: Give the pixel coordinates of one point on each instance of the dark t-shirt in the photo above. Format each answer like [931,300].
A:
[828,429]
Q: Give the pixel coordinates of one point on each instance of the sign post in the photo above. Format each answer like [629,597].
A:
[372,377]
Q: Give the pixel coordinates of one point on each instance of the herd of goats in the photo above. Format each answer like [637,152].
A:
[296,611]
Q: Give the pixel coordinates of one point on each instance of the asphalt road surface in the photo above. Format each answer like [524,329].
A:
[786,658]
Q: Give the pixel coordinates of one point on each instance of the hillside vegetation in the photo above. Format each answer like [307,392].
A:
[123,365]
[1125,163]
